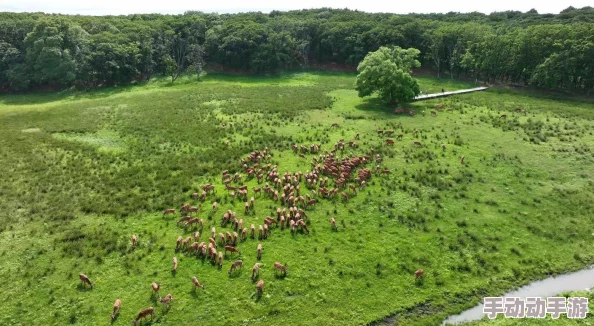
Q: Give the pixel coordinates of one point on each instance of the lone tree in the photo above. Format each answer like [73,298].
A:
[387,73]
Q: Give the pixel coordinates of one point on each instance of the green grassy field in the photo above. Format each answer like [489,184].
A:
[82,172]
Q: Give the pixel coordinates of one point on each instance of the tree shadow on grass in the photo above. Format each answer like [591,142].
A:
[375,105]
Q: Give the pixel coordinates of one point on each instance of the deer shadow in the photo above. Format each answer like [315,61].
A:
[280,276]
[83,287]
[115,318]
[236,273]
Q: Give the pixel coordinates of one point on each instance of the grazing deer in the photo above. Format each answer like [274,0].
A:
[196,283]
[143,314]
[134,240]
[243,235]
[213,232]
[260,287]
[433,113]
[389,141]
[333,224]
[220,259]
[196,235]
[256,270]
[184,219]
[253,231]
[279,267]
[335,125]
[156,287]
[302,224]
[116,308]
[399,137]
[443,146]
[345,196]
[385,171]
[169,211]
[418,143]
[215,205]
[247,207]
[167,300]
[178,243]
[194,195]
[85,280]
[235,265]
[259,252]
[462,159]
[231,249]
[186,243]
[503,116]
[174,264]
[419,273]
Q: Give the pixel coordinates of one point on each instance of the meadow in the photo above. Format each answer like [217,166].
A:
[83,171]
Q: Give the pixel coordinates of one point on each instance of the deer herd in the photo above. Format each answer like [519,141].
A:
[328,177]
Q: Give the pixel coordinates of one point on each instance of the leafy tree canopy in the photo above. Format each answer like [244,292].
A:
[387,73]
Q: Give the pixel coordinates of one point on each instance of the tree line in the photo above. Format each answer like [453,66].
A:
[554,51]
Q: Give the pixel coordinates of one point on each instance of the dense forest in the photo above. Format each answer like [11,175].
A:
[553,51]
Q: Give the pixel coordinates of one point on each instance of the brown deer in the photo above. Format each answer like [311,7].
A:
[235,265]
[174,264]
[85,280]
[253,231]
[215,205]
[116,308]
[196,283]
[178,243]
[433,113]
[462,159]
[302,224]
[399,137]
[196,235]
[186,243]
[256,270]
[156,287]
[231,249]
[220,259]
[418,143]
[280,267]
[143,314]
[134,241]
[259,252]
[260,287]
[333,224]
[345,196]
[419,273]
[389,141]
[244,233]
[184,219]
[503,116]
[167,300]
[169,211]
